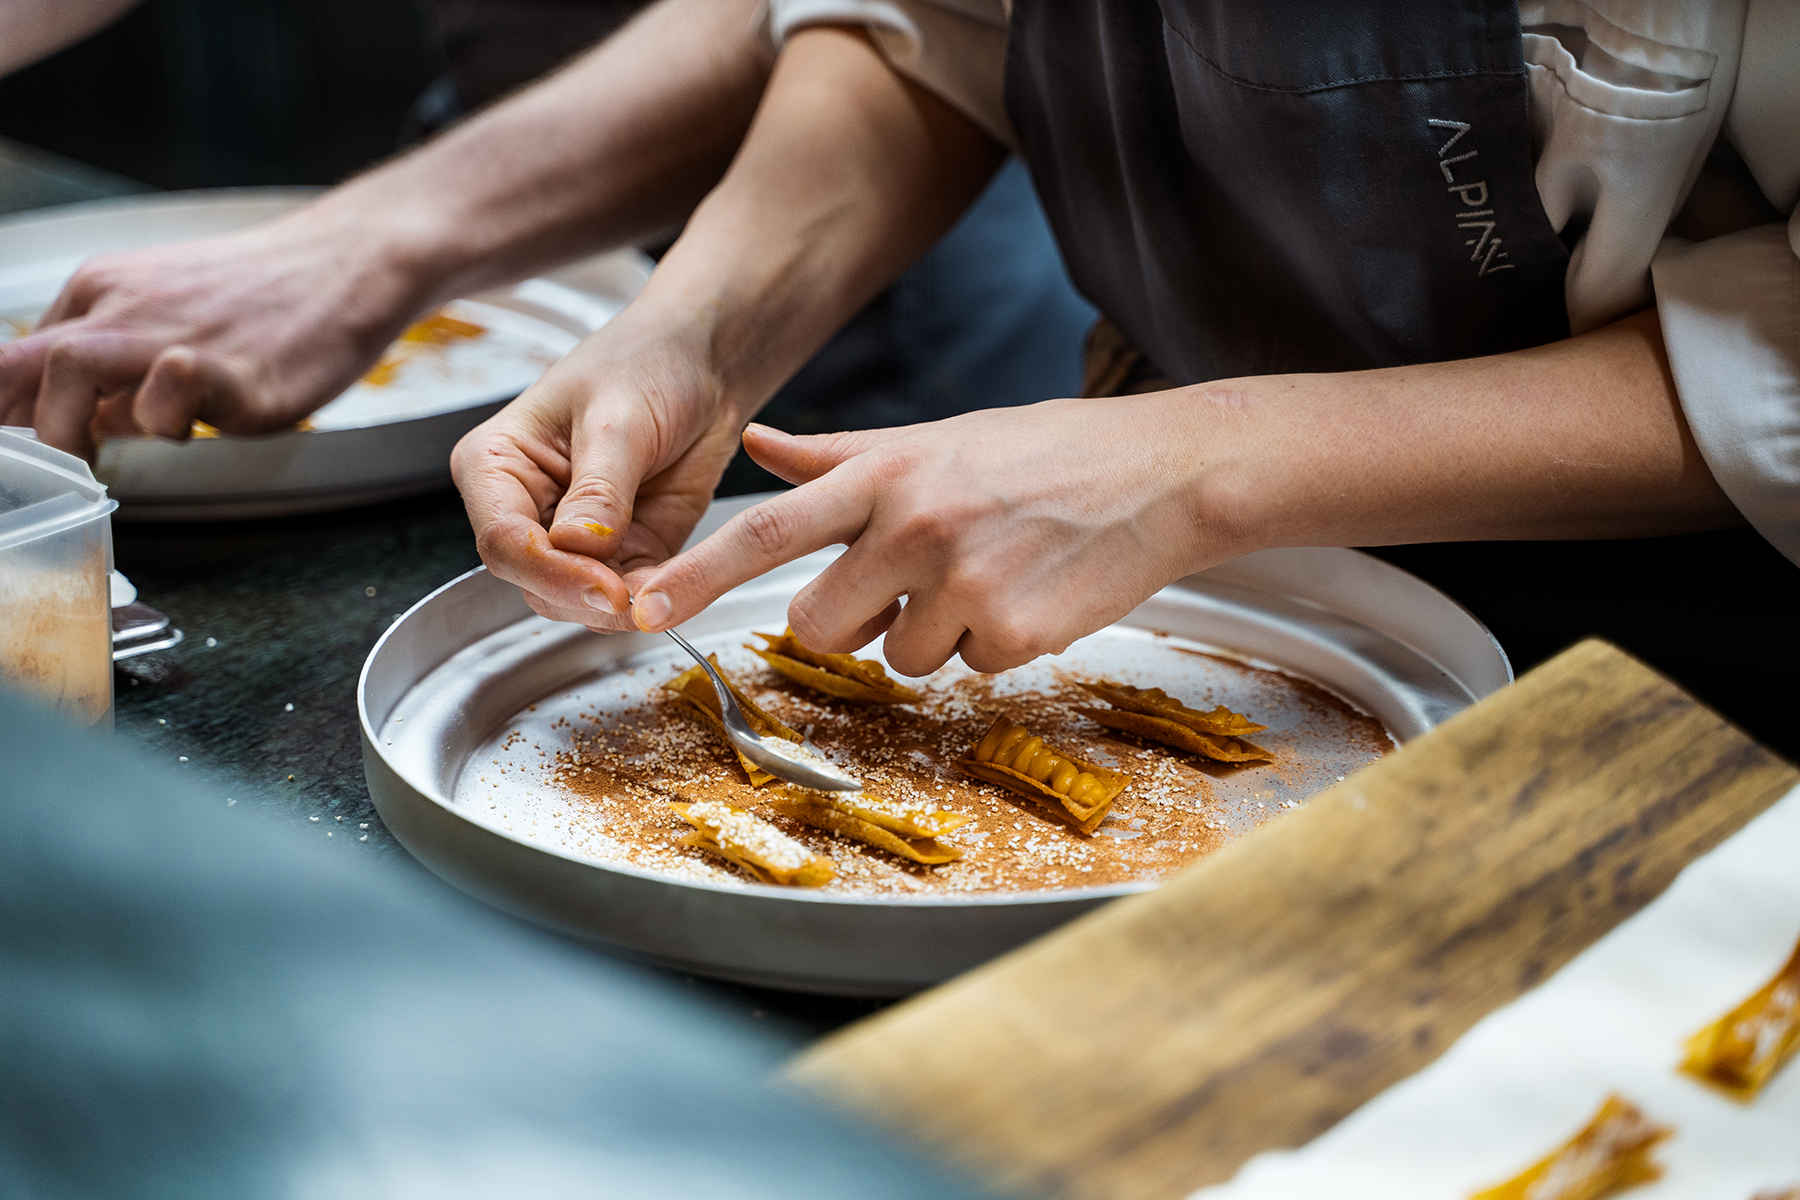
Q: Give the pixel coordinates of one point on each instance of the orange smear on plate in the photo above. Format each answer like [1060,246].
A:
[433,332]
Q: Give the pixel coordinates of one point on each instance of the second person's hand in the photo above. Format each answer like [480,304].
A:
[1007,533]
[249,332]
[600,470]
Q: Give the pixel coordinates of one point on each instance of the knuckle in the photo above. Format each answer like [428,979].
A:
[64,354]
[926,531]
[491,543]
[766,528]
[683,576]
[1012,640]
[890,462]
[93,275]
[910,659]
[810,624]
[593,492]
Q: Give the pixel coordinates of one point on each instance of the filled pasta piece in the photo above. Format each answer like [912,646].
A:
[1609,1154]
[843,676]
[761,850]
[1069,788]
[1743,1049]
[1153,713]
[912,831]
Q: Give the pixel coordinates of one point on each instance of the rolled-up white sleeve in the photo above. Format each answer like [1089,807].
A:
[1730,306]
[954,48]
[1730,310]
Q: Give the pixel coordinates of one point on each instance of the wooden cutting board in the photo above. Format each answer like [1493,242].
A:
[1264,993]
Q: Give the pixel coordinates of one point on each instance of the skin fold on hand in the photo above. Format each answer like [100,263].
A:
[252,331]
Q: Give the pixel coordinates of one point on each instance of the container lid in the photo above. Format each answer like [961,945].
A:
[44,491]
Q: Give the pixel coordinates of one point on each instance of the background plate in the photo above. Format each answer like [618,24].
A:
[368,444]
[465,664]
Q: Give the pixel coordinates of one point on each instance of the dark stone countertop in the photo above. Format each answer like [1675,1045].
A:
[281,613]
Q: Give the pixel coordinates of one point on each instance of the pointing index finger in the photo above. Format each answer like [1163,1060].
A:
[831,510]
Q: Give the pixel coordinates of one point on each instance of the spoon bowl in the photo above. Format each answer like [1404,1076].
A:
[801,765]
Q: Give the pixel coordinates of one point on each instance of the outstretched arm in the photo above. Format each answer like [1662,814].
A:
[253,331]
[1013,532]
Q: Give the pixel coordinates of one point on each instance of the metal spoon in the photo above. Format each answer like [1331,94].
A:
[798,764]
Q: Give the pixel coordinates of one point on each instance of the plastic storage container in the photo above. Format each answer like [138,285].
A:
[55,572]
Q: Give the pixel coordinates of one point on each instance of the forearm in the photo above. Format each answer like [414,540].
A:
[1578,439]
[848,173]
[617,146]
[33,29]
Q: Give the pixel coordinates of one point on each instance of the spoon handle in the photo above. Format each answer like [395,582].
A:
[729,711]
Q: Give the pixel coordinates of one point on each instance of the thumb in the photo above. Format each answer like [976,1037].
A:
[803,458]
[605,468]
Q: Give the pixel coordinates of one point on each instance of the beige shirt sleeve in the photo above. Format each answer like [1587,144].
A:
[954,48]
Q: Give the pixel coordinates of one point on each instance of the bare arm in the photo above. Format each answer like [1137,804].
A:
[848,173]
[619,145]
[252,331]
[1009,533]
[34,29]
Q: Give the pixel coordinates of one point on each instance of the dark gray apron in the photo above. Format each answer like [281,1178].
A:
[1247,188]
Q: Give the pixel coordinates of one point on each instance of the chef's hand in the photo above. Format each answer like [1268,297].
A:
[1014,531]
[599,471]
[583,486]
[1009,533]
[248,332]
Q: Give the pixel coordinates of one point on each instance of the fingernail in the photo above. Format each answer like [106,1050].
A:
[761,428]
[651,610]
[595,598]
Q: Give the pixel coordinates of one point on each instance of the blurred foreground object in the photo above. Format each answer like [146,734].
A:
[1742,1050]
[55,579]
[1269,990]
[1610,1154]
[199,1004]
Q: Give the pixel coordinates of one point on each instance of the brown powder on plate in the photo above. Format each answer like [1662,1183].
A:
[621,771]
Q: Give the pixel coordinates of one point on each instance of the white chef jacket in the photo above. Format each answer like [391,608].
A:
[1628,99]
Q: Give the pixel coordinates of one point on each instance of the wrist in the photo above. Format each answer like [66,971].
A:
[402,252]
[1225,491]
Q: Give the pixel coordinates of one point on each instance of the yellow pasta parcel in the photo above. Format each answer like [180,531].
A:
[1153,713]
[1609,1154]
[1743,1049]
[1070,788]
[696,687]
[841,675]
[763,851]
[912,831]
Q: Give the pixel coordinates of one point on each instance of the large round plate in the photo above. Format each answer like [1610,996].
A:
[466,664]
[372,442]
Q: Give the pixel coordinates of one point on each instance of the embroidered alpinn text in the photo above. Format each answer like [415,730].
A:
[1485,244]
